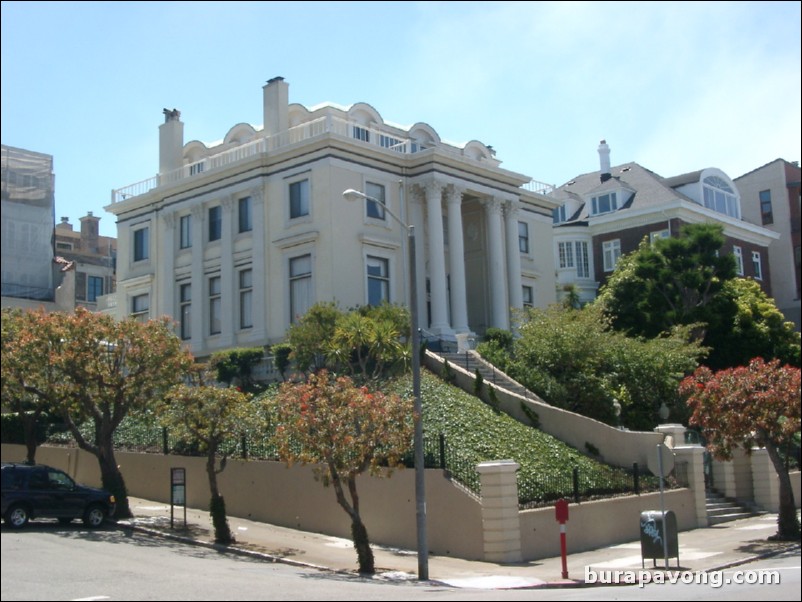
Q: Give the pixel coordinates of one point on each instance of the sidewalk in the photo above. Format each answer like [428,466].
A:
[713,548]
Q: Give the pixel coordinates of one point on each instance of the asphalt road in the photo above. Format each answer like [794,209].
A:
[48,561]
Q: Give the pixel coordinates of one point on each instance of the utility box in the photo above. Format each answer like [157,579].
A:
[651,536]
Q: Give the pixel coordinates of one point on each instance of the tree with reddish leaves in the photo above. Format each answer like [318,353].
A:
[91,368]
[344,430]
[748,406]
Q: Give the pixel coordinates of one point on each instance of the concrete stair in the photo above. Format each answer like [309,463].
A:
[471,362]
[722,510]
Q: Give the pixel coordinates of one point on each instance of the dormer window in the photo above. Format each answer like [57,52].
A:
[720,197]
[604,203]
[558,214]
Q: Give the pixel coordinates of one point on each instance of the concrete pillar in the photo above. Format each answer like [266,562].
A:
[742,474]
[200,289]
[765,483]
[229,286]
[674,434]
[437,258]
[500,522]
[164,304]
[693,455]
[456,255]
[259,265]
[724,478]
[513,256]
[496,265]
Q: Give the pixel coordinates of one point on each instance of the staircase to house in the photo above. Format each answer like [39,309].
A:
[471,362]
[722,510]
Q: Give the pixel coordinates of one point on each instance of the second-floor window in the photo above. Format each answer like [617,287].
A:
[215,223]
[215,305]
[611,251]
[299,199]
[244,212]
[141,244]
[757,265]
[185,234]
[375,210]
[766,214]
[246,298]
[523,237]
[739,260]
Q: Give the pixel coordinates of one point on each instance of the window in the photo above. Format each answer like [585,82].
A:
[720,197]
[378,280]
[94,288]
[558,214]
[766,213]
[245,221]
[566,252]
[605,203]
[196,168]
[523,237]
[246,298]
[582,264]
[756,264]
[361,133]
[185,237]
[391,143]
[299,199]
[739,260]
[185,313]
[653,236]
[140,307]
[528,296]
[372,207]
[611,251]
[141,244]
[300,286]
[214,305]
[215,223]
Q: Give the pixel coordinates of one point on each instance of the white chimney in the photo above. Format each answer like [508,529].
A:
[276,103]
[604,161]
[171,141]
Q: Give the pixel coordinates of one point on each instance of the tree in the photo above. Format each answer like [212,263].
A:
[344,430]
[574,359]
[669,282]
[308,336]
[89,367]
[747,406]
[209,415]
[237,364]
[754,328]
[19,352]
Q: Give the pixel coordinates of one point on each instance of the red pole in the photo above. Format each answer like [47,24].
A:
[563,551]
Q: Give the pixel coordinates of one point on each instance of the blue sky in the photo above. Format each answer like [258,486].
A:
[674,86]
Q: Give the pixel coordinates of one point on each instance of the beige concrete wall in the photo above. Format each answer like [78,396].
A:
[600,523]
[617,447]
[290,497]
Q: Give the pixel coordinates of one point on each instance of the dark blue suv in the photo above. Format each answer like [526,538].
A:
[38,491]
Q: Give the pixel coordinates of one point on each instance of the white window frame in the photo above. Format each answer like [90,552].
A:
[185,231]
[245,298]
[91,295]
[611,252]
[658,234]
[292,279]
[185,311]
[757,265]
[582,259]
[523,239]
[610,197]
[739,260]
[299,181]
[376,191]
[565,251]
[244,215]
[141,244]
[215,290]
[528,299]
[384,279]
[140,306]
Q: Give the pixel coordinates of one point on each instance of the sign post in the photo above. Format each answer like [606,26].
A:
[561,511]
[178,492]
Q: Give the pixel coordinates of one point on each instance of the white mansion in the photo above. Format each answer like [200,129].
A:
[236,240]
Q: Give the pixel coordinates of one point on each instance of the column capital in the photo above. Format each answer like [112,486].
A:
[454,193]
[512,207]
[228,202]
[169,219]
[493,205]
[197,211]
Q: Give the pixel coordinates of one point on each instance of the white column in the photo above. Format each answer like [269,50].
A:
[259,265]
[228,280]
[200,288]
[501,524]
[694,456]
[495,268]
[456,256]
[165,304]
[513,256]
[437,258]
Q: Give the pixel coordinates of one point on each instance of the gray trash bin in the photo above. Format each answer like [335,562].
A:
[651,536]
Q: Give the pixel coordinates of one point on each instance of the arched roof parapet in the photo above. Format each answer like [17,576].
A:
[364,114]
[240,134]
[297,114]
[425,134]
[194,150]
[477,150]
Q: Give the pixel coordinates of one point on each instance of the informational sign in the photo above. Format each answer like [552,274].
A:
[178,492]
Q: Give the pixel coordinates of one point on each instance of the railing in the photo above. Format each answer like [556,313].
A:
[294,135]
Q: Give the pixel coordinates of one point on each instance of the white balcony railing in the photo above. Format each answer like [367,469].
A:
[294,135]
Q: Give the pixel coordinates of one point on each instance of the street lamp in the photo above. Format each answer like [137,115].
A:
[420,495]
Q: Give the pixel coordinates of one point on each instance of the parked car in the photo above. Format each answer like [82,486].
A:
[39,491]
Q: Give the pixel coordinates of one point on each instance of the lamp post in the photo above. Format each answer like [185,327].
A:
[420,494]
